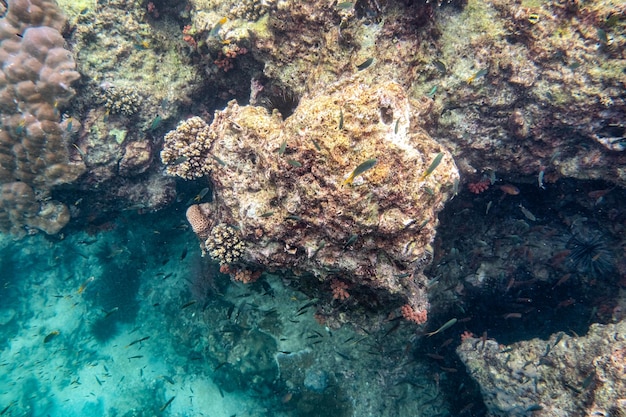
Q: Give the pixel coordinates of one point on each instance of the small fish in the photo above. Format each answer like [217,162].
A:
[70,123]
[317,145]
[435,356]
[307,305]
[363,167]
[201,194]
[168,379]
[351,240]
[20,127]
[282,148]
[106,116]
[540,179]
[293,217]
[574,65]
[184,254]
[441,67]
[612,19]
[596,195]
[156,122]
[396,127]
[512,316]
[433,166]
[216,29]
[604,39]
[340,119]
[533,18]
[167,404]
[294,163]
[479,74]
[432,92]
[558,338]
[84,284]
[345,5]
[179,160]
[588,380]
[135,357]
[80,151]
[218,160]
[446,326]
[534,407]
[266,214]
[108,313]
[527,213]
[509,189]
[50,336]
[98,380]
[188,304]
[134,342]
[5,409]
[365,64]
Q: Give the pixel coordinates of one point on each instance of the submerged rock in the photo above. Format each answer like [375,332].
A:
[292,190]
[561,376]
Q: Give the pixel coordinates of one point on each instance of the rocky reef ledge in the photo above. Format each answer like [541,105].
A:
[347,189]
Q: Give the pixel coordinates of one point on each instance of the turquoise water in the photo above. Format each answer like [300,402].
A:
[122,318]
[126,318]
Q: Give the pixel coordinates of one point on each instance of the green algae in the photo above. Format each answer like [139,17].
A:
[119,135]
[74,8]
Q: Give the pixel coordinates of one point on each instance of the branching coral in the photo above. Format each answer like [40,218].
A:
[224,244]
[186,149]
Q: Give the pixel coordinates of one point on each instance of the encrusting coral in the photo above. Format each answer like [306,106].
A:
[286,187]
[35,81]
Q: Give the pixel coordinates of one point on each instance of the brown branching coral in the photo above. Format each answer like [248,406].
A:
[186,149]
[224,244]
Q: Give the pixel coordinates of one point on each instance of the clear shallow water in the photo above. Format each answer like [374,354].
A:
[124,317]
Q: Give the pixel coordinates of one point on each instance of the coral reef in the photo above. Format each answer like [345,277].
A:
[121,100]
[224,244]
[541,91]
[293,191]
[550,97]
[35,82]
[561,376]
[185,149]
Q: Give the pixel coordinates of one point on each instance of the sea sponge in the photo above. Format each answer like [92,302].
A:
[198,218]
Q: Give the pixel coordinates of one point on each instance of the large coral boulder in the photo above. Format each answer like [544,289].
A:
[286,186]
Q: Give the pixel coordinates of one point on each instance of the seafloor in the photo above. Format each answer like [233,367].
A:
[409,208]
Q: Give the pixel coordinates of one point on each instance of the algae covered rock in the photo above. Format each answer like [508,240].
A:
[289,187]
[560,376]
